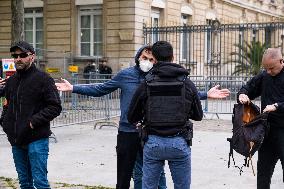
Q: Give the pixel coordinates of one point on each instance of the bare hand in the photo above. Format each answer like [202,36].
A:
[243,98]
[31,125]
[64,85]
[269,108]
[215,92]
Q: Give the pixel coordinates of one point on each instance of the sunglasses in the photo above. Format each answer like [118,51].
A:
[21,55]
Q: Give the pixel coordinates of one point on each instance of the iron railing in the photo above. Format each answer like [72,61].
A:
[219,49]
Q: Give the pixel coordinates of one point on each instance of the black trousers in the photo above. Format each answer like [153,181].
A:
[128,144]
[270,152]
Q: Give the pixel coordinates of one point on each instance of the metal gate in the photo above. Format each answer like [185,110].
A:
[219,49]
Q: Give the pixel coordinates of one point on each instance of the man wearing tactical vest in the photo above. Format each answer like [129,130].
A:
[164,103]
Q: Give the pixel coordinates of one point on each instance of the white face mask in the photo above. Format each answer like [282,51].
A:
[145,65]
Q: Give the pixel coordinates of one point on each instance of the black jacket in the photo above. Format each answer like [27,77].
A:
[105,70]
[32,98]
[166,70]
[271,90]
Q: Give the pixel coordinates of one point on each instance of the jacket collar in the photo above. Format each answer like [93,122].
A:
[24,73]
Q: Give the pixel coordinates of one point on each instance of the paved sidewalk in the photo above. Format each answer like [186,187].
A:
[86,156]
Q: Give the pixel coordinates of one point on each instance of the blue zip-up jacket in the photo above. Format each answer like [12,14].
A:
[128,81]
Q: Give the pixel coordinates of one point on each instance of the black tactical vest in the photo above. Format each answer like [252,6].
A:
[165,105]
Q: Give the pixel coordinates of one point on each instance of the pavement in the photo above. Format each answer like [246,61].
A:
[83,155]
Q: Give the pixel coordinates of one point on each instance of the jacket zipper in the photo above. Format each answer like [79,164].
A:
[17,111]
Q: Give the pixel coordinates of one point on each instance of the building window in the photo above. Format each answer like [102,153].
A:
[155,22]
[91,31]
[33,28]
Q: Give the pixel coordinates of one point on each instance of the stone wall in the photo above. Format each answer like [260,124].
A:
[5,28]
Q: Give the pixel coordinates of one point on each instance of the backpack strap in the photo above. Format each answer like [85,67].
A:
[231,153]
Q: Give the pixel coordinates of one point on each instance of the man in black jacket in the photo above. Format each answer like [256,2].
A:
[33,101]
[105,70]
[165,103]
[269,84]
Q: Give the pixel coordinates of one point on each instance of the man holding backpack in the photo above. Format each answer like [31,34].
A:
[269,84]
[165,102]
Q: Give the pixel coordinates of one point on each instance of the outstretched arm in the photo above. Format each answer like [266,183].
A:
[95,90]
[217,93]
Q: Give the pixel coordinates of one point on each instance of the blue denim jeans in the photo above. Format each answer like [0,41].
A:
[138,173]
[31,164]
[174,149]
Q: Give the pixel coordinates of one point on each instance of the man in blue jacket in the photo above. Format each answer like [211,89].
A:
[128,142]
[128,80]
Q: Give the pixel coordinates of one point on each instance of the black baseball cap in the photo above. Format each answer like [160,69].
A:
[24,46]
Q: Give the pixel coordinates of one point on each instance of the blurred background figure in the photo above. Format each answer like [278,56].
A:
[87,71]
[105,69]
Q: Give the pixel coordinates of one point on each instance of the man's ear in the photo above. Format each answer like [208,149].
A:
[173,58]
[32,57]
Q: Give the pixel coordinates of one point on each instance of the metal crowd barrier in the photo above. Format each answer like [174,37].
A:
[221,106]
[82,109]
[100,110]
[79,108]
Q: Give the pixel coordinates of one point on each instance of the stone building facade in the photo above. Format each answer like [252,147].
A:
[75,32]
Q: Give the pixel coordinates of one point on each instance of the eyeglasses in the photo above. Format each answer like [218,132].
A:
[21,55]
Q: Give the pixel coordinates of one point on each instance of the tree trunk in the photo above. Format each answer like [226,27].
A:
[17,29]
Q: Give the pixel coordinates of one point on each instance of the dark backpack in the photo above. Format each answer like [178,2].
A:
[249,129]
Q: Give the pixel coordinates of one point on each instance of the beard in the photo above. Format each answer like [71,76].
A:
[22,66]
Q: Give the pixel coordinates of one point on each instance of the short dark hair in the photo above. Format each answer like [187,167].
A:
[163,51]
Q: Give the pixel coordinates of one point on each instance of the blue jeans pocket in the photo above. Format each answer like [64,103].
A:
[180,147]
[39,147]
[152,142]
[152,145]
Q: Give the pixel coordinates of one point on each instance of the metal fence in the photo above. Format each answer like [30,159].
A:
[220,106]
[215,53]
[81,108]
[219,49]
[100,110]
